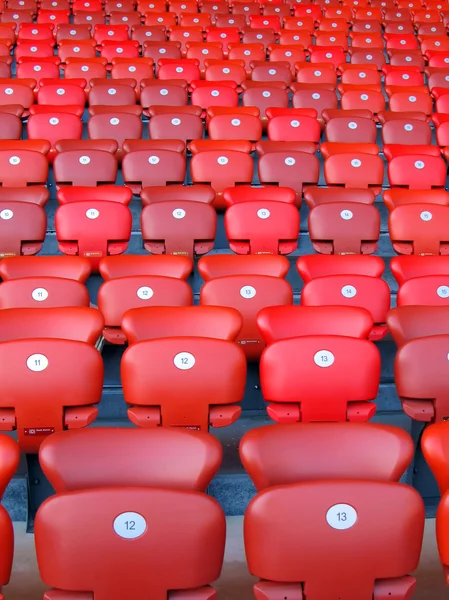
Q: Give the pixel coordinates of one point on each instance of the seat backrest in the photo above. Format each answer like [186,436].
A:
[409,267]
[69,267]
[320,378]
[72,323]
[417,171]
[362,559]
[435,447]
[118,295]
[220,265]
[248,294]
[419,229]
[222,169]
[42,292]
[191,376]
[314,265]
[428,290]
[78,167]
[282,322]
[143,168]
[409,322]
[22,228]
[179,227]
[354,170]
[87,458]
[93,229]
[43,393]
[9,460]
[300,452]
[421,377]
[19,168]
[127,265]
[262,227]
[140,324]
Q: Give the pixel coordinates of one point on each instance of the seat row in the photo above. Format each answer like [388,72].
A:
[158,534]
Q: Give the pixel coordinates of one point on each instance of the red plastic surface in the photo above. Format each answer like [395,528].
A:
[409,322]
[312,266]
[46,382]
[42,292]
[9,457]
[408,267]
[220,265]
[190,377]
[282,322]
[179,227]
[289,168]
[315,196]
[88,168]
[110,193]
[420,229]
[354,171]
[417,171]
[20,168]
[434,444]
[69,267]
[22,228]
[321,378]
[140,324]
[262,227]
[143,168]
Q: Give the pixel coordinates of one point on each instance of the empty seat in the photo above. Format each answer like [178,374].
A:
[179,227]
[111,193]
[248,288]
[140,324]
[282,322]
[93,229]
[176,126]
[409,267]
[409,322]
[43,393]
[345,281]
[419,229]
[262,227]
[435,450]
[9,458]
[315,195]
[280,540]
[69,267]
[288,168]
[127,265]
[21,168]
[341,228]
[54,126]
[355,170]
[82,470]
[420,370]
[41,291]
[120,294]
[417,171]
[22,228]
[143,168]
[208,374]
[118,127]
[89,168]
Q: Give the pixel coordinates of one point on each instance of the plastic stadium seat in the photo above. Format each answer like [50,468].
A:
[283,322]
[222,169]
[91,18]
[409,267]
[427,290]
[21,168]
[120,294]
[18,17]
[214,94]
[185,127]
[355,170]
[221,265]
[38,69]
[54,126]
[179,227]
[198,555]
[265,97]
[137,68]
[435,450]
[409,322]
[72,32]
[363,99]
[92,68]
[113,33]
[172,93]
[289,169]
[143,168]
[360,75]
[71,323]
[419,229]
[70,267]
[93,229]
[314,265]
[62,93]
[370,57]
[140,324]
[406,131]
[197,193]
[128,265]
[86,146]
[315,195]
[10,127]
[297,391]
[319,99]
[392,151]
[32,49]
[174,68]
[339,228]
[35,195]
[394,197]
[118,127]
[262,227]
[294,128]
[9,458]
[22,228]
[248,292]
[156,50]
[112,94]
[181,365]
[62,397]
[92,167]
[420,376]
[351,130]
[42,291]
[275,530]
[235,127]
[417,171]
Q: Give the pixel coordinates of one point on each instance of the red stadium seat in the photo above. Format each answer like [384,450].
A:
[351,130]
[118,127]
[16,91]
[420,376]
[262,227]
[248,288]
[208,93]
[9,458]
[62,397]
[315,195]
[197,193]
[112,94]
[181,365]
[275,530]
[69,267]
[297,391]
[54,126]
[222,169]
[142,168]
[347,280]
[185,127]
[409,267]
[92,68]
[294,128]
[128,265]
[90,167]
[22,168]
[283,322]
[93,229]
[339,228]
[417,171]
[406,131]
[111,193]
[235,127]
[179,227]
[355,170]
[22,228]
[289,169]
[426,290]
[140,324]
[169,93]
[42,291]
[170,558]
[409,322]
[419,229]
[62,93]
[435,450]
[120,294]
